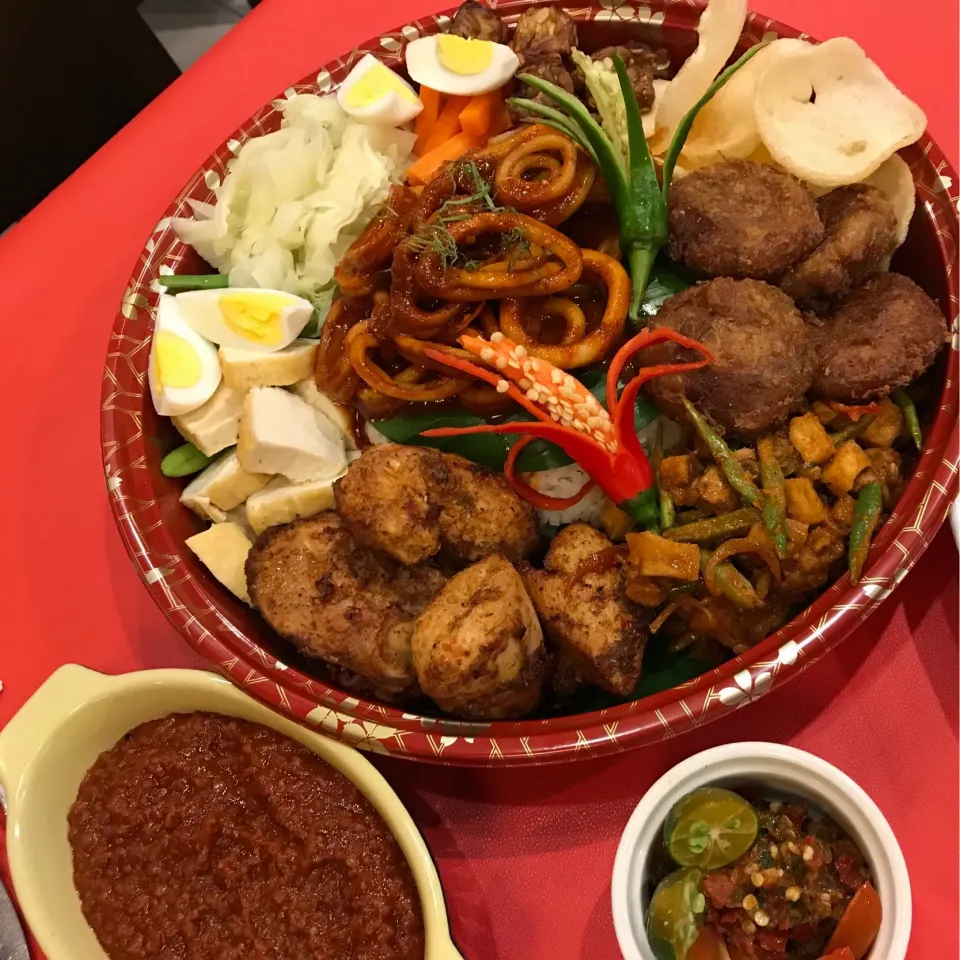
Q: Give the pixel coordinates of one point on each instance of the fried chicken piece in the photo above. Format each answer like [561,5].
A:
[416,502]
[478,646]
[339,601]
[598,630]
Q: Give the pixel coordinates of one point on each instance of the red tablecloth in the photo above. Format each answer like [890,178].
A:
[525,855]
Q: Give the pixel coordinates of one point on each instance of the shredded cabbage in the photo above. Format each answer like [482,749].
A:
[294,200]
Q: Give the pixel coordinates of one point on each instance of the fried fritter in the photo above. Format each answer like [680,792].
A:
[761,345]
[543,33]
[742,219]
[478,647]
[339,601]
[475,21]
[883,336]
[416,502]
[861,229]
[597,629]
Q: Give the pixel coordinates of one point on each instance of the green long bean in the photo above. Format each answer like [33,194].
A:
[903,401]
[866,516]
[183,461]
[852,430]
[774,495]
[728,463]
[668,511]
[189,281]
[722,527]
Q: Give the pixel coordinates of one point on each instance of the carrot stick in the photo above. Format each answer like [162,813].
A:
[426,119]
[477,116]
[500,122]
[448,123]
[424,168]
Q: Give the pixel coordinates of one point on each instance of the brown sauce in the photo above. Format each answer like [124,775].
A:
[204,837]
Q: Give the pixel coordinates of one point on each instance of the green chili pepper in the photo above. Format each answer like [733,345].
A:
[733,584]
[852,430]
[727,462]
[774,495]
[639,200]
[188,281]
[668,512]
[722,527]
[183,461]
[688,516]
[866,515]
[904,402]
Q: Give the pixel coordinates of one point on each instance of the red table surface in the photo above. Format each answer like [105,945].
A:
[525,855]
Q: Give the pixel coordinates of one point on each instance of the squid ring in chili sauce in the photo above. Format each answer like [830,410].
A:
[513,189]
[592,347]
[334,373]
[566,206]
[359,344]
[356,273]
[458,284]
[408,317]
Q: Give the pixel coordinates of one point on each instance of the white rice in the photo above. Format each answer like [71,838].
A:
[565,482]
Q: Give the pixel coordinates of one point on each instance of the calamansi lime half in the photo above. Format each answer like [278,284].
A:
[710,828]
[676,914]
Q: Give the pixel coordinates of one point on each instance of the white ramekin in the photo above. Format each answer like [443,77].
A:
[782,770]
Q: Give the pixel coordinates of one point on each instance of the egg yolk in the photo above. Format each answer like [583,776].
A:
[463,56]
[373,85]
[175,362]
[254,317]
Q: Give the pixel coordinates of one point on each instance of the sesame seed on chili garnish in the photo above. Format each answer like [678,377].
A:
[521,350]
[501,363]
[502,386]
[496,337]
[487,354]
[524,383]
[534,365]
[556,375]
[531,394]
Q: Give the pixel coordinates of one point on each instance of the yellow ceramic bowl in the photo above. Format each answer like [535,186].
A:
[76,715]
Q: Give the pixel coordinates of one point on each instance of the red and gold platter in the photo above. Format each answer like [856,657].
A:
[154,524]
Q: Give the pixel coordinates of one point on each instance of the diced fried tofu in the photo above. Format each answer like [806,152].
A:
[886,427]
[677,471]
[803,504]
[808,435]
[615,522]
[844,468]
[655,556]
[713,489]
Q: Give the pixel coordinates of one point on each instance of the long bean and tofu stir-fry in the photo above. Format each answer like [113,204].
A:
[588,356]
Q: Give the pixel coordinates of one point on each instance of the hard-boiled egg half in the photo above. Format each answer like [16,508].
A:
[458,66]
[373,93]
[184,369]
[246,317]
